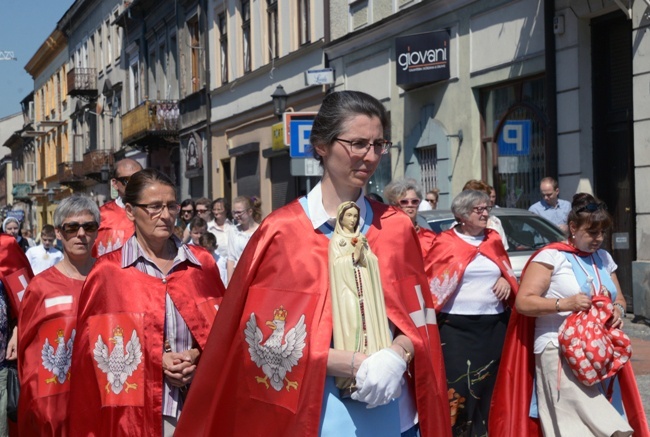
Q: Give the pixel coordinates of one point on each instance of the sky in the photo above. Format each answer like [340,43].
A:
[24,26]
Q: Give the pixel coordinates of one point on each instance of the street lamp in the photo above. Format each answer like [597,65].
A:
[104,171]
[50,195]
[279,97]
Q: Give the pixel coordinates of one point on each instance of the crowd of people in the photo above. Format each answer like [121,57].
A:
[338,314]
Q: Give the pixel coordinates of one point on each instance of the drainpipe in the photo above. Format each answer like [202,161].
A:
[208,104]
[551,89]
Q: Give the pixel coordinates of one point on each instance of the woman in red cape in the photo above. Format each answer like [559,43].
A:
[511,403]
[279,295]
[48,316]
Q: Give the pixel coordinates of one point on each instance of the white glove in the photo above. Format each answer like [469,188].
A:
[379,379]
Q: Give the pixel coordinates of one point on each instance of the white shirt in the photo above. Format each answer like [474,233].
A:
[563,284]
[319,216]
[475,295]
[221,234]
[41,260]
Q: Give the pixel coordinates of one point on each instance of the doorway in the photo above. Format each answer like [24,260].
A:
[613,144]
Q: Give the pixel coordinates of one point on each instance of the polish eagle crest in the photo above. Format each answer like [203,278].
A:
[279,353]
[58,362]
[122,361]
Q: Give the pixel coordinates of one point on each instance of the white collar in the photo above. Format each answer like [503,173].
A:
[319,216]
[119,202]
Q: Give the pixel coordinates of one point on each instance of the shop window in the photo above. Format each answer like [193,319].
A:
[515,133]
[428,158]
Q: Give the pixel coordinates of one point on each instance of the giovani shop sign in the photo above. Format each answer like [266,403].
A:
[422,58]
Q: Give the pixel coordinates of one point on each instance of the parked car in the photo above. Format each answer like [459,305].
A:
[526,232]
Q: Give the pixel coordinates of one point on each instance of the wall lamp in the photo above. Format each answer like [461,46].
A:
[279,98]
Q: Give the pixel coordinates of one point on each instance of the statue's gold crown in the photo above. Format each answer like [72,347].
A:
[118,332]
[280,314]
[59,333]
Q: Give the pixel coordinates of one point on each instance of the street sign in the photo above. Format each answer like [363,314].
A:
[277,134]
[300,132]
[288,117]
[515,138]
[306,167]
[324,76]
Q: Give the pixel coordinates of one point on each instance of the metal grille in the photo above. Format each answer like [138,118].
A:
[428,168]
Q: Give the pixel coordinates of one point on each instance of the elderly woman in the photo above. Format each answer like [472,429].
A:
[144,317]
[48,317]
[471,281]
[11,226]
[406,195]
[560,279]
[280,294]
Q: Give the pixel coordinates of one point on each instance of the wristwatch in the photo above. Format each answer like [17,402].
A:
[620,307]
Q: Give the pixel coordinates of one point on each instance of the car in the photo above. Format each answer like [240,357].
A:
[526,232]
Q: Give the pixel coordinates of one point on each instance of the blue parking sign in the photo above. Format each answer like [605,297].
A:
[300,132]
[514,138]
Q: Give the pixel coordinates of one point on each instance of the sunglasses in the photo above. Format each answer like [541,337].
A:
[591,207]
[187,211]
[123,179]
[73,227]
[409,202]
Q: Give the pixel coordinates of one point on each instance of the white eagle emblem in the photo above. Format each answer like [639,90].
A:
[442,289]
[275,357]
[120,364]
[58,362]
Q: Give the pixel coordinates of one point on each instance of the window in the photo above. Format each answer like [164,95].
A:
[222,24]
[303,22]
[162,69]
[428,158]
[100,49]
[272,14]
[193,29]
[172,62]
[134,82]
[246,34]
[109,46]
[153,90]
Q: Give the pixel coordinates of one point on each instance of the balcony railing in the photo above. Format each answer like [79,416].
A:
[151,117]
[70,172]
[82,81]
[94,161]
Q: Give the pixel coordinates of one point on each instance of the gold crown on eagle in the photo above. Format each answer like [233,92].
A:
[280,314]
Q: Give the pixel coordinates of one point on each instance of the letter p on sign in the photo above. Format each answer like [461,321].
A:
[514,138]
[300,132]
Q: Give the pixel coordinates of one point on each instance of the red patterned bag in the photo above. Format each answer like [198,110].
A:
[593,349]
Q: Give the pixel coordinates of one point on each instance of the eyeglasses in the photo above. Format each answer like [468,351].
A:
[361,147]
[155,209]
[201,211]
[238,212]
[591,207]
[123,179]
[411,202]
[187,211]
[432,200]
[481,209]
[73,227]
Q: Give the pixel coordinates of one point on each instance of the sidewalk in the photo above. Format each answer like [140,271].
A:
[640,335]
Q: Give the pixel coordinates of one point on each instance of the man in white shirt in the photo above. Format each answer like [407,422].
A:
[45,255]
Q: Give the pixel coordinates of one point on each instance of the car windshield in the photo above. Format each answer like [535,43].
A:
[524,232]
[529,232]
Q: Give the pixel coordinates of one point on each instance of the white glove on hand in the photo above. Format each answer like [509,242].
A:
[379,379]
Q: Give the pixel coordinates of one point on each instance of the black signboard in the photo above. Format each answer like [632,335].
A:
[422,58]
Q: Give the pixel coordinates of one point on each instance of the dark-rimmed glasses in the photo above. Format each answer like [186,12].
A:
[155,209]
[481,209]
[361,147]
[591,207]
[187,211]
[409,202]
[71,228]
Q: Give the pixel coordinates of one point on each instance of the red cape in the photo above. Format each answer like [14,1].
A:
[284,273]
[118,305]
[114,229]
[450,254]
[426,237]
[514,386]
[15,272]
[50,305]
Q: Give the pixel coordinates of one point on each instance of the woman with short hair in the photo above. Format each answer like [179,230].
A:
[47,320]
[144,316]
[472,283]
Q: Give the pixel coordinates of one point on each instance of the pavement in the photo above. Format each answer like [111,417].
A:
[639,333]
